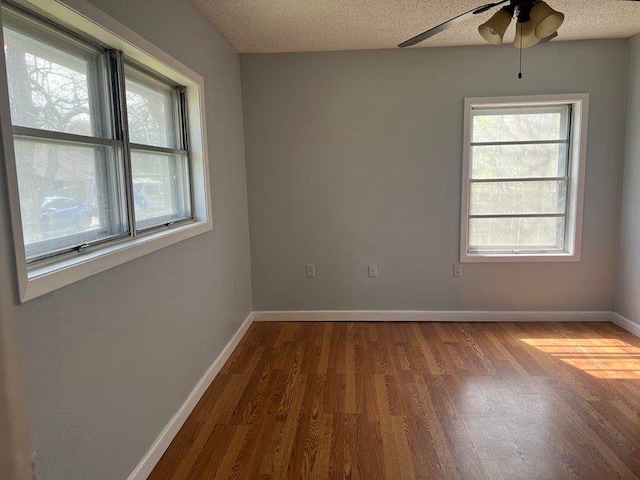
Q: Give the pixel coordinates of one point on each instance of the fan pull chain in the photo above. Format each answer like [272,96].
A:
[520,71]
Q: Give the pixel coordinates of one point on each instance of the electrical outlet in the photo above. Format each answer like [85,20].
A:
[457,270]
[310,269]
[372,270]
[237,284]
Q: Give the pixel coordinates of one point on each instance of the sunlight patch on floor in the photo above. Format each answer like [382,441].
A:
[600,357]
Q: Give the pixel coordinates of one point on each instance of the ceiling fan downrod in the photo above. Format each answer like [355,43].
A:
[520,68]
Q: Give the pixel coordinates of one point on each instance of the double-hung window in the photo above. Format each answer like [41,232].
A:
[68,160]
[101,150]
[158,149]
[523,178]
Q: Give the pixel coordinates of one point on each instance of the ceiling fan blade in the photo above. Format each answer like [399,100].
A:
[549,38]
[449,23]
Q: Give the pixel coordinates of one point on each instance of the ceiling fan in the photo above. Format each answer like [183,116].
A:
[536,22]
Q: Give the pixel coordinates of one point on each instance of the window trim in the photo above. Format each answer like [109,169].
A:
[577,163]
[84,19]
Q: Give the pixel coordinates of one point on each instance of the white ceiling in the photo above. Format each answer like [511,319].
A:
[324,25]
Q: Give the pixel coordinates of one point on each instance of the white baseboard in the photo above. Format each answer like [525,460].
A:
[172,428]
[429,316]
[625,323]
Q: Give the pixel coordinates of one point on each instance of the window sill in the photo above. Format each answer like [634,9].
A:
[519,258]
[40,280]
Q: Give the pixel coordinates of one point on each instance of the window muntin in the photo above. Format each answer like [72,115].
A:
[519,179]
[70,146]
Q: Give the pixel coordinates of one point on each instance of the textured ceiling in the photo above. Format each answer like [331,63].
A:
[324,25]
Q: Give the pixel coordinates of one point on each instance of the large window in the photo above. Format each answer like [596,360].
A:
[101,151]
[522,178]
[82,175]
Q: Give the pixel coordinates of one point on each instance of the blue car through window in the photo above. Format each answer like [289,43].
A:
[61,216]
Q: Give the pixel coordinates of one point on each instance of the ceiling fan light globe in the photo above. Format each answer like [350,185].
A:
[525,35]
[545,19]
[494,29]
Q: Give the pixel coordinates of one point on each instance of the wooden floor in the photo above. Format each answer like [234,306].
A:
[418,400]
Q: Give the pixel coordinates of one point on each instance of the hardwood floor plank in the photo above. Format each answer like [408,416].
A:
[225,470]
[350,401]
[463,450]
[389,450]
[320,465]
[274,442]
[323,364]
[282,455]
[210,457]
[400,436]
[336,453]
[350,467]
[432,420]
[249,458]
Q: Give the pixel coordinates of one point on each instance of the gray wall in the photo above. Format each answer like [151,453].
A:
[628,284]
[355,158]
[110,359]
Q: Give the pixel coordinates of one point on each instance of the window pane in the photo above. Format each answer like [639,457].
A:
[52,81]
[518,161]
[510,125]
[499,198]
[68,194]
[150,110]
[516,233]
[160,188]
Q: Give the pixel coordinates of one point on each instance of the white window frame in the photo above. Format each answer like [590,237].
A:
[577,164]
[86,19]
